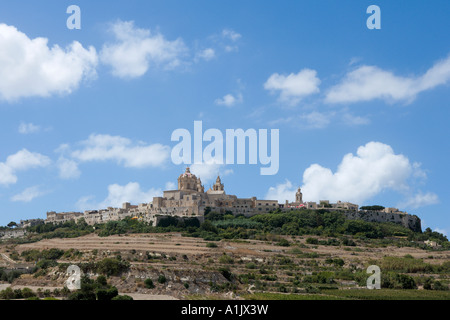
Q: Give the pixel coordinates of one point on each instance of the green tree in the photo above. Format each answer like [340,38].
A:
[162,279]
[149,283]
[12,224]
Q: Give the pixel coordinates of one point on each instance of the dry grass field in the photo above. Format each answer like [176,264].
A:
[195,268]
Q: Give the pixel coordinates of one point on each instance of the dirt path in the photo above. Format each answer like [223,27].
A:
[5,257]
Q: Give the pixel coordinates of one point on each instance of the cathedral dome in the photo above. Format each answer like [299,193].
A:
[188,181]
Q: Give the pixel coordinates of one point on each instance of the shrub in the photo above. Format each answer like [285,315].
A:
[94,290]
[7,294]
[45,263]
[393,280]
[28,293]
[338,261]
[124,297]
[149,284]
[162,279]
[226,273]
[284,243]
[312,241]
[52,254]
[439,286]
[224,259]
[348,242]
[111,267]
[106,293]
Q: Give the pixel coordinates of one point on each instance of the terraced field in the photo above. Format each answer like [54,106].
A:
[242,269]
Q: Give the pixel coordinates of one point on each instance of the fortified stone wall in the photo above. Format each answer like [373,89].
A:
[408,221]
[10,234]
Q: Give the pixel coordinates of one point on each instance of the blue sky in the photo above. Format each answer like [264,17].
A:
[87,115]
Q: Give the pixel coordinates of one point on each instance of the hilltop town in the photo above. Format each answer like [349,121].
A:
[191,243]
[190,201]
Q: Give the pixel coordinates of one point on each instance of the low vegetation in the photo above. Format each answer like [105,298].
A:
[298,262]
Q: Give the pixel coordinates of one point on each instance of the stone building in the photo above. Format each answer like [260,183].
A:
[190,200]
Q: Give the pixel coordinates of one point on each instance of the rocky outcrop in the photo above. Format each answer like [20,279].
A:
[10,234]
[411,222]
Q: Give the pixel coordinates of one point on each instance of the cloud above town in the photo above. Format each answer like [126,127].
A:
[29,67]
[282,192]
[206,54]
[29,194]
[21,161]
[209,170]
[230,100]
[420,200]
[119,194]
[293,88]
[375,168]
[68,169]
[104,147]
[134,51]
[321,119]
[28,128]
[367,83]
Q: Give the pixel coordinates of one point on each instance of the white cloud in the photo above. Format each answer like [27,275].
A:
[373,169]
[420,200]
[7,175]
[171,186]
[294,87]
[230,34]
[29,194]
[352,120]
[28,128]
[68,169]
[370,82]
[209,171]
[231,48]
[20,161]
[315,120]
[29,67]
[418,171]
[24,160]
[229,100]
[282,192]
[136,50]
[321,119]
[311,120]
[117,195]
[131,192]
[207,54]
[105,147]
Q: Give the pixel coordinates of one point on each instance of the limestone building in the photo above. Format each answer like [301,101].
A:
[190,200]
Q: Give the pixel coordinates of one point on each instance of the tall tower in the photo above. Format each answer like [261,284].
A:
[218,186]
[299,196]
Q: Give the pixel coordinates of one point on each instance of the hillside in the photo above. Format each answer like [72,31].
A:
[304,255]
